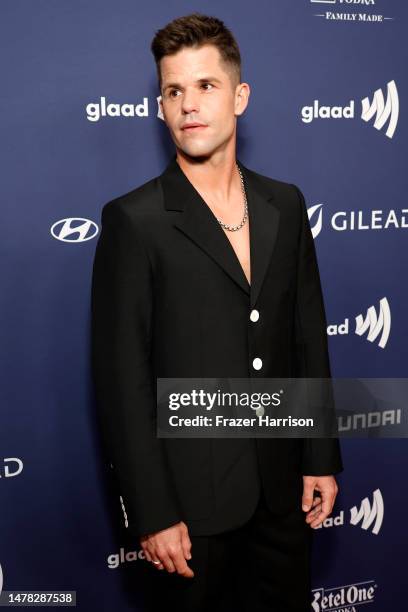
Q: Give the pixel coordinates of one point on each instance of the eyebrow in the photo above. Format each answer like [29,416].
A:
[202,80]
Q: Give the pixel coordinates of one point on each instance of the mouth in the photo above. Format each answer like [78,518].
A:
[194,128]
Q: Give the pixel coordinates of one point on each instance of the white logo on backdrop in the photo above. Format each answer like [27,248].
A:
[339,599]
[341,15]
[123,557]
[8,471]
[357,220]
[375,325]
[378,326]
[384,110]
[368,515]
[360,2]
[359,421]
[96,110]
[74,229]
[317,227]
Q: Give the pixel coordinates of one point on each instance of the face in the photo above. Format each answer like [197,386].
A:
[197,88]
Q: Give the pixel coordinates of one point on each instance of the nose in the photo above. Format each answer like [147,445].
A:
[190,103]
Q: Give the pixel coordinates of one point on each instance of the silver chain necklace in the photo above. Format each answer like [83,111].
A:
[234,228]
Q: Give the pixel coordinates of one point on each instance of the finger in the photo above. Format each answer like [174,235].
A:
[317,521]
[328,497]
[316,517]
[313,513]
[186,545]
[151,553]
[157,553]
[167,562]
[307,497]
[320,518]
[181,565]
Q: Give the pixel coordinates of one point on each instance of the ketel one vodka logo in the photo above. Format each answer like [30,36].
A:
[385,112]
[341,14]
[345,598]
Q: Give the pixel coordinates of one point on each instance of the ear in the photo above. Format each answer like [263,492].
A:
[242,94]
[160,112]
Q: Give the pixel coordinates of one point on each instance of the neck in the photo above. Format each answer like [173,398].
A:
[217,175]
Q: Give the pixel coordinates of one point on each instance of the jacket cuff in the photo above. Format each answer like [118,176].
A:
[321,457]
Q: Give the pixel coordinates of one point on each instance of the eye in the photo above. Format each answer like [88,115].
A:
[171,92]
[207,84]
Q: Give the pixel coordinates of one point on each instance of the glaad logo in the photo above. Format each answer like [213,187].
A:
[384,110]
[6,472]
[344,598]
[359,220]
[365,516]
[369,514]
[96,110]
[115,559]
[74,229]
[375,325]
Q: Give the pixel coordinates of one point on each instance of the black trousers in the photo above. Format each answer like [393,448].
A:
[262,566]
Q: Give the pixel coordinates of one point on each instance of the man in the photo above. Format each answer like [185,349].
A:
[209,270]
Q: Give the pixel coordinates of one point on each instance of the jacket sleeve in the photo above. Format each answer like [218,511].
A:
[321,456]
[122,311]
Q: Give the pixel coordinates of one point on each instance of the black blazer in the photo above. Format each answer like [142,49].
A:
[170,299]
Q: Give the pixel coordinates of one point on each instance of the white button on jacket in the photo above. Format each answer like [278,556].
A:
[254,316]
[257,363]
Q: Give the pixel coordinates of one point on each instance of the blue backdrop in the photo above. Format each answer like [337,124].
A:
[326,112]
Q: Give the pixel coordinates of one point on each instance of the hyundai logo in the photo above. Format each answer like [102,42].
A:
[74,229]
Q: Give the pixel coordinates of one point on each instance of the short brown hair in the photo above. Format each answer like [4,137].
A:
[197,30]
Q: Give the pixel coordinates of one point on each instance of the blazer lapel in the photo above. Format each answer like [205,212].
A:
[198,223]
[263,228]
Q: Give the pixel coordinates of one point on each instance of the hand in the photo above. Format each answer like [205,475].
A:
[171,547]
[320,507]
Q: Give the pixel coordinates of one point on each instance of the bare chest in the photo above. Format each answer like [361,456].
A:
[240,243]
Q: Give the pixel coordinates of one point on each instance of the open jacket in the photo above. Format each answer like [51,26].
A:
[170,299]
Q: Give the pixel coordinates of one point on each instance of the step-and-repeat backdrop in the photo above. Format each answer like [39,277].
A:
[80,126]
